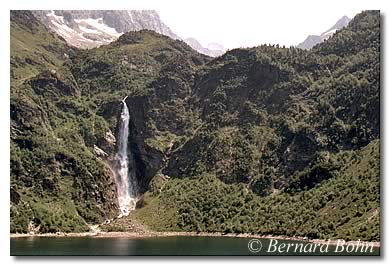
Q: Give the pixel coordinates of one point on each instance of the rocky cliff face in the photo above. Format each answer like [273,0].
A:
[92,28]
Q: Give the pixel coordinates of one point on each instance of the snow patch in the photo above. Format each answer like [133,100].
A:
[82,38]
[86,30]
[99,26]
[63,29]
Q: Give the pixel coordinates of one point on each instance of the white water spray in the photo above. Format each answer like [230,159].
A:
[125,182]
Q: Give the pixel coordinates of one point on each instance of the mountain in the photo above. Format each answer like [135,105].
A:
[312,40]
[263,140]
[212,49]
[92,28]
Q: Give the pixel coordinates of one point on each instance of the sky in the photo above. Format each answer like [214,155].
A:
[246,23]
[232,23]
[250,24]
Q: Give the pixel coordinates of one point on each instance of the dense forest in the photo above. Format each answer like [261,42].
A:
[263,140]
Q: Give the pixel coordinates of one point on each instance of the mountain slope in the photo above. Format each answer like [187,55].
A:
[324,212]
[275,123]
[56,181]
[312,40]
[297,102]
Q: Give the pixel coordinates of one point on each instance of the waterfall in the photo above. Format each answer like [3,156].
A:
[126,182]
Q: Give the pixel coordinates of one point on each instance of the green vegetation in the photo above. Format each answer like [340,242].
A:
[266,140]
[56,180]
[64,102]
[206,204]
[162,141]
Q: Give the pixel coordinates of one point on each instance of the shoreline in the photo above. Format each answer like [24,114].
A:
[150,234]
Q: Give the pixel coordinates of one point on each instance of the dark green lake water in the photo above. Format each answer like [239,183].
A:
[160,246]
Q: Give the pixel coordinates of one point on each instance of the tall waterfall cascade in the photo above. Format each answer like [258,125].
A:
[126,182]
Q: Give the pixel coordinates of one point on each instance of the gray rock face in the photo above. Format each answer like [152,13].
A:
[312,40]
[92,28]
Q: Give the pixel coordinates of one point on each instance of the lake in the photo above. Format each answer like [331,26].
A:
[175,245]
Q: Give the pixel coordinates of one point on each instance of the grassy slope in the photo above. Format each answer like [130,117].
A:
[33,48]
